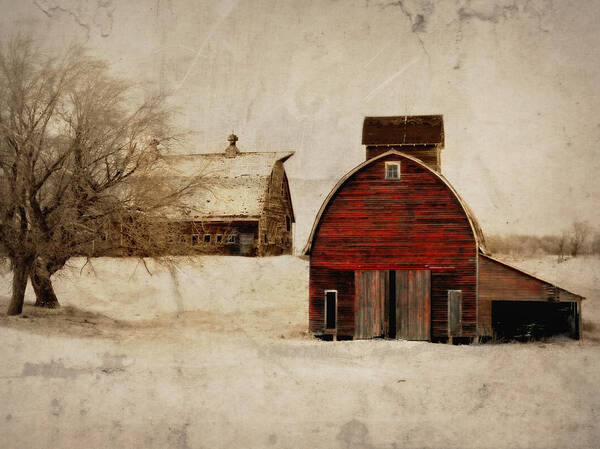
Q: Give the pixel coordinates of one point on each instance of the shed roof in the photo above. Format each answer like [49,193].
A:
[404,130]
[231,187]
[566,294]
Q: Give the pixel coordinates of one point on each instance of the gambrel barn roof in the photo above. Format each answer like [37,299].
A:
[476,229]
[231,187]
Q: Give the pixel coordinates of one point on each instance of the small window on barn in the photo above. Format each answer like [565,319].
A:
[392,170]
[288,223]
[233,238]
[330,309]
[206,238]
[219,238]
[194,239]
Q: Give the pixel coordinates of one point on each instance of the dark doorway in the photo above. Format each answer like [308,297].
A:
[391,310]
[330,309]
[528,320]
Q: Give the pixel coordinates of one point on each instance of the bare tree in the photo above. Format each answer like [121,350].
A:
[75,158]
[595,245]
[580,232]
[561,246]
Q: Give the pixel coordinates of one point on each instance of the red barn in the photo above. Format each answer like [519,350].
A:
[396,253]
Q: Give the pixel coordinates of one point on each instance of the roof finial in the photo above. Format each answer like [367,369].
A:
[232,150]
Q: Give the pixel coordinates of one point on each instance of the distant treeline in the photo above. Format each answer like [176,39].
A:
[578,239]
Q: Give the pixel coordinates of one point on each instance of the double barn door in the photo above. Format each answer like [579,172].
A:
[393,304]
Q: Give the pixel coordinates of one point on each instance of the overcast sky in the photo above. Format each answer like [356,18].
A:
[517,82]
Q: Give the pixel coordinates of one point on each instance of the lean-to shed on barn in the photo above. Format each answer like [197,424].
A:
[395,252]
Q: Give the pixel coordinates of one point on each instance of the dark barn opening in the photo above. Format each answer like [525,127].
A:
[392,305]
[529,320]
[330,300]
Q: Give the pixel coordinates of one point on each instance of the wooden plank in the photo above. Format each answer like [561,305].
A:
[401,304]
[422,303]
[454,313]
[427,334]
[484,325]
[371,314]
[358,306]
[369,302]
[386,307]
[412,306]
[374,302]
[380,304]
[579,322]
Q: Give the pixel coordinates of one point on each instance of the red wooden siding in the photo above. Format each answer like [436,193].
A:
[501,282]
[413,223]
[322,279]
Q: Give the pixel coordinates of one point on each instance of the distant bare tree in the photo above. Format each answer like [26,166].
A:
[580,232]
[75,157]
[595,245]
[562,245]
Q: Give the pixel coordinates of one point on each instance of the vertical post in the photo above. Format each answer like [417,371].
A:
[454,313]
[579,322]
[259,247]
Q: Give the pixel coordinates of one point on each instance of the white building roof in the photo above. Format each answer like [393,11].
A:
[229,187]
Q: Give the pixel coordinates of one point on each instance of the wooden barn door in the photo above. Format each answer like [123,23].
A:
[413,304]
[454,313]
[369,305]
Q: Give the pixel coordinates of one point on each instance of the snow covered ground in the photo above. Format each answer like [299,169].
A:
[214,354]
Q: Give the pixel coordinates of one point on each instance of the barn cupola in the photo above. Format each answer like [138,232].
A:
[420,136]
[232,150]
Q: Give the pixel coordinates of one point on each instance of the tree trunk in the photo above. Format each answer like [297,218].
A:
[40,279]
[44,292]
[21,270]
